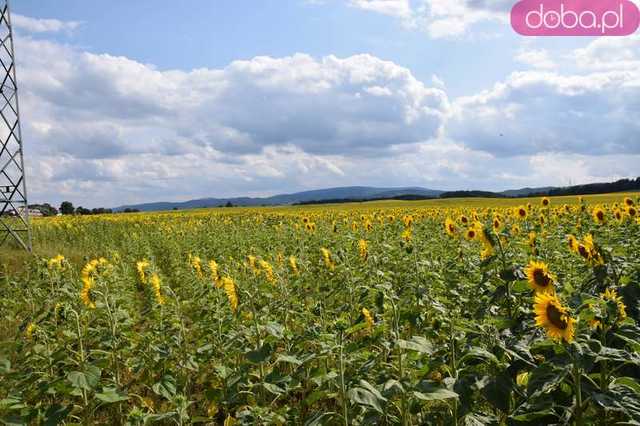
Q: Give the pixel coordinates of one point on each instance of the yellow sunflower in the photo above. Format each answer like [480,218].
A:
[450,227]
[553,317]
[573,243]
[471,234]
[539,277]
[598,215]
[521,212]
[545,202]
[612,296]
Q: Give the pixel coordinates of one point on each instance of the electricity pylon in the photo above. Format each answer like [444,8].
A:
[14,207]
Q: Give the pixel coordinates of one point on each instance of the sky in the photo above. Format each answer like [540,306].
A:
[125,102]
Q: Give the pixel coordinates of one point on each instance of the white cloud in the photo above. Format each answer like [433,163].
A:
[610,53]
[396,8]
[33,25]
[536,58]
[93,119]
[107,130]
[440,18]
[535,111]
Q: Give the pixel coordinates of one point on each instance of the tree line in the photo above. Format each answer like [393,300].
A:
[67,208]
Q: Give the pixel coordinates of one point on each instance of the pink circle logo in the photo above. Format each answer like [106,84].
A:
[575,17]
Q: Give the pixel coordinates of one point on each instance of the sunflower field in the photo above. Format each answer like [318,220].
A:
[514,313]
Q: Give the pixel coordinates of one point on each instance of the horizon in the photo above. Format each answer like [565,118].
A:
[287,97]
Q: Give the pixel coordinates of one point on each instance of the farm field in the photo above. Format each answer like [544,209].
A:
[438,312]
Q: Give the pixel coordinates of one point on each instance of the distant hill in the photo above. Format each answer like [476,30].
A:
[367,193]
[362,193]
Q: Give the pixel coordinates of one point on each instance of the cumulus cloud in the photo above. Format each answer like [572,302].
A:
[535,111]
[536,58]
[101,118]
[34,25]
[107,130]
[440,18]
[397,8]
[610,53]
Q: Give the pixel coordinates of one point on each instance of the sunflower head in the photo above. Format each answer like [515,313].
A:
[450,227]
[628,201]
[631,211]
[611,296]
[521,212]
[553,317]
[539,277]
[545,202]
[598,215]
[471,234]
[573,243]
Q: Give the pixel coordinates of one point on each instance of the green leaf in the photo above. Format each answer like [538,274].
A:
[428,391]
[260,355]
[275,329]
[418,344]
[274,389]
[56,414]
[86,380]
[361,396]
[289,359]
[5,366]
[521,287]
[545,378]
[477,353]
[436,395]
[110,395]
[166,387]
[628,382]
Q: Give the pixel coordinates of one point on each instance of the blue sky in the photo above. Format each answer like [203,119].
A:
[125,99]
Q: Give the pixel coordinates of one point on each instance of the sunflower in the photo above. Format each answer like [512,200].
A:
[521,212]
[610,295]
[553,317]
[56,263]
[617,213]
[450,227]
[252,264]
[155,285]
[215,274]
[539,277]
[268,271]
[326,257]
[573,243]
[368,318]
[631,211]
[407,235]
[141,268]
[487,252]
[363,249]
[471,234]
[196,264]
[598,215]
[545,202]
[293,264]
[464,220]
[230,288]
[628,202]
[497,224]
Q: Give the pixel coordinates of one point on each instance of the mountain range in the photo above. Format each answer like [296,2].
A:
[368,193]
[349,193]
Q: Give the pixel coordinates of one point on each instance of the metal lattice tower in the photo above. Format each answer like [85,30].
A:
[14,210]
